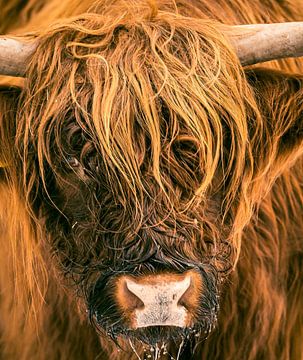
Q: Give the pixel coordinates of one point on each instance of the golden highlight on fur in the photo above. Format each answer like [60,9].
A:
[173,141]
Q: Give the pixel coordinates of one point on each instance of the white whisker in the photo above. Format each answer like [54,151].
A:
[133,348]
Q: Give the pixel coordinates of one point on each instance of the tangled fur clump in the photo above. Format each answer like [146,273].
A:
[139,144]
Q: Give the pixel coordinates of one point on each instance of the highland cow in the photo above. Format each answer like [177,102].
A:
[151,185]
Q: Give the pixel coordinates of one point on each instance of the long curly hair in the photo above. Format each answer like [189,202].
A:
[138,143]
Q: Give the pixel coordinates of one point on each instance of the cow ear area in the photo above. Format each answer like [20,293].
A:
[9,99]
[279,97]
[274,87]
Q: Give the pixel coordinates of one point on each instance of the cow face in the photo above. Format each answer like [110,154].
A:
[122,151]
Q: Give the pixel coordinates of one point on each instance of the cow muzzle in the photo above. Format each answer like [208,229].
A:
[159,299]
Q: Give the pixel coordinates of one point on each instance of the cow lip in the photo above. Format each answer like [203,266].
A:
[153,335]
[155,347]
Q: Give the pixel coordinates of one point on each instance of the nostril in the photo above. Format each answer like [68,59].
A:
[191,297]
[129,299]
[186,297]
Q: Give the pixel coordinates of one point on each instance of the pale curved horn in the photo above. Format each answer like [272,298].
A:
[264,42]
[15,55]
[253,44]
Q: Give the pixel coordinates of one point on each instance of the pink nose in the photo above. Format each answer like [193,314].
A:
[159,300]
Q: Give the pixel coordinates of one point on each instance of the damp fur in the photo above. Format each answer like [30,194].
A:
[183,159]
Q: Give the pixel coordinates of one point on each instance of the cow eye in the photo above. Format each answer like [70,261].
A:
[72,161]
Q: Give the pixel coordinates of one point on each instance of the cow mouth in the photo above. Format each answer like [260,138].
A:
[161,342]
[153,335]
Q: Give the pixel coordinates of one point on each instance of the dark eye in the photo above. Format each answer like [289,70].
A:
[72,161]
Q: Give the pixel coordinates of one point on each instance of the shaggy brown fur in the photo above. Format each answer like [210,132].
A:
[138,139]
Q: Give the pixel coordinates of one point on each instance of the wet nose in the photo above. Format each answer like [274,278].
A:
[159,300]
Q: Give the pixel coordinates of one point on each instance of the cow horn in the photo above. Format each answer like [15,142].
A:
[264,42]
[253,44]
[15,55]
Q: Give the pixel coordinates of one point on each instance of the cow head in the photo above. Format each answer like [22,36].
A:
[136,145]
